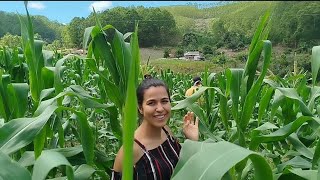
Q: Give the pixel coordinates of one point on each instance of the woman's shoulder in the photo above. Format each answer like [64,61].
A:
[137,153]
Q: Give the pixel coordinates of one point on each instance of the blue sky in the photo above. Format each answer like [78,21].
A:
[65,11]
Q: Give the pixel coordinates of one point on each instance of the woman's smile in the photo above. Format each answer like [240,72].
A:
[160,117]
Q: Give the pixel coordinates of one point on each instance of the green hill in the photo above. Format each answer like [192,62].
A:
[48,30]
[190,18]
[292,22]
[228,24]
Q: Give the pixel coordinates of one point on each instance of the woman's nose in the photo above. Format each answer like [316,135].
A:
[159,107]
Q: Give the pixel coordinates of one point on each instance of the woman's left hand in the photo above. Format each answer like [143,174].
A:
[190,126]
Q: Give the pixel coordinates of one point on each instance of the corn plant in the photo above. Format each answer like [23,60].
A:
[117,64]
[295,116]
[65,125]
[60,109]
[243,89]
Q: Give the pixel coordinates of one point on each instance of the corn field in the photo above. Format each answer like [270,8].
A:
[65,117]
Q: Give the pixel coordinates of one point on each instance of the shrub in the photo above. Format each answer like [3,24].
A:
[208,56]
[242,56]
[179,53]
[220,59]
[206,49]
[166,53]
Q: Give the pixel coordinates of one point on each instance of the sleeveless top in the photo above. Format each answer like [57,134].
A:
[157,163]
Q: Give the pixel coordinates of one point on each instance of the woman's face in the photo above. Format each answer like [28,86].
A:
[156,106]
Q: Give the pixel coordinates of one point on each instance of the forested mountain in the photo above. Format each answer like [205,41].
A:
[48,30]
[294,24]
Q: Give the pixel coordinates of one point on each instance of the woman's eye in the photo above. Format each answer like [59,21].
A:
[150,103]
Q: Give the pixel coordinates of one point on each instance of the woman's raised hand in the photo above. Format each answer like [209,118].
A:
[190,126]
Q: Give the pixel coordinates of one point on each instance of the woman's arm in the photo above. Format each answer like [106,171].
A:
[117,166]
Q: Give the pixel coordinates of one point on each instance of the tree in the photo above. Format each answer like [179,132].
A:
[157,27]
[65,38]
[206,49]
[179,52]
[189,39]
[218,32]
[10,40]
[49,31]
[123,19]
[76,30]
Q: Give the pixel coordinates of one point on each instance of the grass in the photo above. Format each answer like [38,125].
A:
[153,53]
[178,66]
[194,67]
[184,66]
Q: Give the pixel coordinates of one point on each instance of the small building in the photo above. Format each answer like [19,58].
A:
[193,55]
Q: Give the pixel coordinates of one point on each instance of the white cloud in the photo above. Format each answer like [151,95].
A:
[100,5]
[36,5]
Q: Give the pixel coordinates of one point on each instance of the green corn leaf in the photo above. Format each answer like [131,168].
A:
[135,53]
[87,139]
[316,156]
[47,161]
[223,107]
[306,174]
[11,169]
[34,57]
[87,102]
[114,93]
[130,115]
[264,103]
[114,122]
[39,141]
[297,162]
[202,119]
[213,160]
[83,172]
[4,98]
[122,53]
[28,158]
[45,93]
[299,146]
[58,73]
[292,94]
[48,58]
[315,63]
[277,100]
[18,99]
[47,74]
[102,51]
[255,51]
[191,99]
[280,134]
[112,90]
[315,93]
[18,133]
[86,37]
[234,79]
[251,98]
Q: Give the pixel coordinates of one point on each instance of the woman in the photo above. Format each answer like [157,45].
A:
[156,151]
